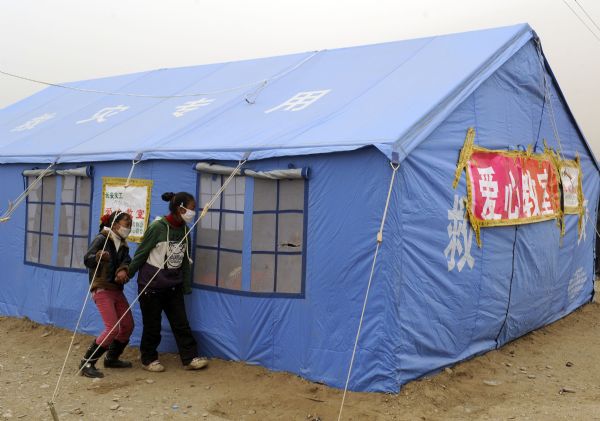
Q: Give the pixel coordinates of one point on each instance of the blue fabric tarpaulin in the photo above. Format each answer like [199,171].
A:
[436,299]
[389,95]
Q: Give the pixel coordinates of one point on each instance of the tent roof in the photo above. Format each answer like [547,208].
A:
[389,95]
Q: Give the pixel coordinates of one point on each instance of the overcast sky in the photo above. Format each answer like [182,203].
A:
[67,40]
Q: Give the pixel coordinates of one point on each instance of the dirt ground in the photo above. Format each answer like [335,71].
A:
[550,374]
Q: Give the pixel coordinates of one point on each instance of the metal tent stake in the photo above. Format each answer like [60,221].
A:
[53,411]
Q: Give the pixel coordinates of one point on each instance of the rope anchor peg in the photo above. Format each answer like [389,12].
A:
[53,411]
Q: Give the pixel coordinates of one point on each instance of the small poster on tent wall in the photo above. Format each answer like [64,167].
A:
[570,176]
[133,199]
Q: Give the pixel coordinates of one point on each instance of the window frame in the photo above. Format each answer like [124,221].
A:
[277,212]
[39,233]
[75,205]
[247,251]
[220,211]
[55,234]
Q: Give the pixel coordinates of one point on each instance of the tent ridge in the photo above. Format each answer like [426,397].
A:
[411,138]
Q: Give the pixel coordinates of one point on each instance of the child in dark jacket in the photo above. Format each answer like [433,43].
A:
[107,293]
[163,262]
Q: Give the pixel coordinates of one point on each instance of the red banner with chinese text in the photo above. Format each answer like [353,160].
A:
[510,188]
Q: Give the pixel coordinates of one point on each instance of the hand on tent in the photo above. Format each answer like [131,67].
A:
[122,277]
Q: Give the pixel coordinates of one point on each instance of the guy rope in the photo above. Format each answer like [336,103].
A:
[395,167]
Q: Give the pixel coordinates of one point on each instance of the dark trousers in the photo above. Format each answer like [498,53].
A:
[152,304]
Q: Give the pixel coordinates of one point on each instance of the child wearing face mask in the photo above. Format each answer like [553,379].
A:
[163,261]
[107,292]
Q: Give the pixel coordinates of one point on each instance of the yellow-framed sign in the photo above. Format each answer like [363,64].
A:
[514,187]
[133,199]
[518,187]
[571,176]
[571,180]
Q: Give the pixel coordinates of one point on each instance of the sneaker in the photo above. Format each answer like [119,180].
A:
[196,364]
[154,366]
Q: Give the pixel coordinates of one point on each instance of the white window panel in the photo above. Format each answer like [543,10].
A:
[232,231]
[291,227]
[291,195]
[65,249]
[289,273]
[47,218]
[263,273]
[205,267]
[46,249]
[263,232]
[84,190]
[67,215]
[33,248]
[35,194]
[34,213]
[82,220]
[80,246]
[265,195]
[49,189]
[208,230]
[68,189]
[230,270]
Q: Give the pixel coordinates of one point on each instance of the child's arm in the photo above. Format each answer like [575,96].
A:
[89,260]
[124,264]
[151,238]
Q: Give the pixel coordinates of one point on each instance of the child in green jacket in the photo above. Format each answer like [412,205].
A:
[163,261]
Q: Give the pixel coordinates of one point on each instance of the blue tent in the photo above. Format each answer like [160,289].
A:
[281,264]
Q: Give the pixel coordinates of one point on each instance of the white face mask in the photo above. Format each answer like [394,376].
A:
[188,216]
[123,232]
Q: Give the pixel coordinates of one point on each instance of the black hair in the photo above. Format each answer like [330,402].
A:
[177,199]
[113,218]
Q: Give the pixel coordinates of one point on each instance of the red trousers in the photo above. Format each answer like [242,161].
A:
[112,304]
